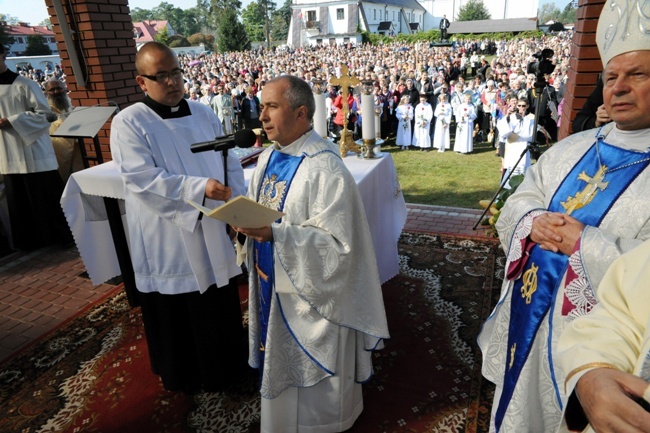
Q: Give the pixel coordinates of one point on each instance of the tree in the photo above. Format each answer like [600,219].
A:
[548,12]
[5,39]
[231,35]
[254,21]
[473,10]
[569,14]
[9,19]
[280,20]
[163,36]
[179,41]
[36,46]
[139,15]
[214,10]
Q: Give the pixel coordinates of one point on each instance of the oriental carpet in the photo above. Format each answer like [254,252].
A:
[92,374]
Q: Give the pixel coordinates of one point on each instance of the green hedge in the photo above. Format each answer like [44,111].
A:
[434,35]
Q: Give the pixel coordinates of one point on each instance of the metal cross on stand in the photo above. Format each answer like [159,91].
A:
[345,81]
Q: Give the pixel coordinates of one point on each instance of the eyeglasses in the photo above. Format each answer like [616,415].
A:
[524,106]
[164,76]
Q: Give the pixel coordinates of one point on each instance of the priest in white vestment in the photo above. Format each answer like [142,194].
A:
[315,305]
[606,354]
[583,205]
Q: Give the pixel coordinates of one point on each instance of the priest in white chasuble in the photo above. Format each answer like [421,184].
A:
[315,305]
[580,207]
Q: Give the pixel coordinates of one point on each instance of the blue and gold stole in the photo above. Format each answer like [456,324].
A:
[534,291]
[280,171]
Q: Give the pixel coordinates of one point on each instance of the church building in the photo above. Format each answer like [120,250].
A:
[340,22]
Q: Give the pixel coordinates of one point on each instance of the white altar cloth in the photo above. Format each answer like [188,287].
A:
[83,205]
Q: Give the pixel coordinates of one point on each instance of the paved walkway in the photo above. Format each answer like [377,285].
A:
[42,289]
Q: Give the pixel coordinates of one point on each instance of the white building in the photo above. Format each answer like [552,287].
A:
[341,21]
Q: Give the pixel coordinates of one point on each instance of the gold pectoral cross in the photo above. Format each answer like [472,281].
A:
[530,283]
[584,197]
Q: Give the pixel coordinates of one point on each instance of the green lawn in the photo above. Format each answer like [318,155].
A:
[449,178]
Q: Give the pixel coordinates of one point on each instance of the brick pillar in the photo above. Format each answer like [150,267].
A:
[585,64]
[103,33]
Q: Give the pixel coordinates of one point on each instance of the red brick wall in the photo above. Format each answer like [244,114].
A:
[105,36]
[585,64]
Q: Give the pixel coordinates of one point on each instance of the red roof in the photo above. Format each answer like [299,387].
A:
[24,29]
[148,29]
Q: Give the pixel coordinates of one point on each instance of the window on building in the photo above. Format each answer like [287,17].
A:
[374,14]
[340,14]
[311,15]
[393,15]
[409,16]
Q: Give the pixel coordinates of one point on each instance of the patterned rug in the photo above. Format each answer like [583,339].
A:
[92,375]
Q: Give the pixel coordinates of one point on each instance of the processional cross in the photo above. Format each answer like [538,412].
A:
[345,81]
[584,197]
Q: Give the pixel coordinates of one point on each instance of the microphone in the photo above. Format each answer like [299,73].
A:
[242,138]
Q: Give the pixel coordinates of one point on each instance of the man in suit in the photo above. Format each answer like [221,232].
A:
[444,25]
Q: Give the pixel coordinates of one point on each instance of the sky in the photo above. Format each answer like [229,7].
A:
[34,11]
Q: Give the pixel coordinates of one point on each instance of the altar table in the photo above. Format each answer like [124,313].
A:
[93,203]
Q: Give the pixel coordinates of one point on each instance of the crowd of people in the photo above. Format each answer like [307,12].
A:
[231,83]
[564,220]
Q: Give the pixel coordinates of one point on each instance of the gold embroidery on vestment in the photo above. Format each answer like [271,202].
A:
[513,349]
[584,197]
[530,283]
[272,192]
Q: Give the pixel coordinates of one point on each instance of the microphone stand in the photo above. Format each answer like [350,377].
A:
[533,146]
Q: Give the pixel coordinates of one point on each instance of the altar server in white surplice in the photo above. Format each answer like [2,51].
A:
[185,266]
[423,116]
[465,115]
[315,308]
[404,114]
[581,206]
[28,163]
[441,140]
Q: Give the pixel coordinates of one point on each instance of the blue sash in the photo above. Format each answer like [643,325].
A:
[275,185]
[534,291]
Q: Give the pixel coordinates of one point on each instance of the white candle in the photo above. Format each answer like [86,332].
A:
[320,115]
[367,116]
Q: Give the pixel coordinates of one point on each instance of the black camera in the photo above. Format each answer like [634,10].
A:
[543,65]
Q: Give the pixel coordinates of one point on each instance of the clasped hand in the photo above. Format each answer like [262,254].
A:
[607,398]
[556,232]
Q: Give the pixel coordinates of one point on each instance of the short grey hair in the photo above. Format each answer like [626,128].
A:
[298,93]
